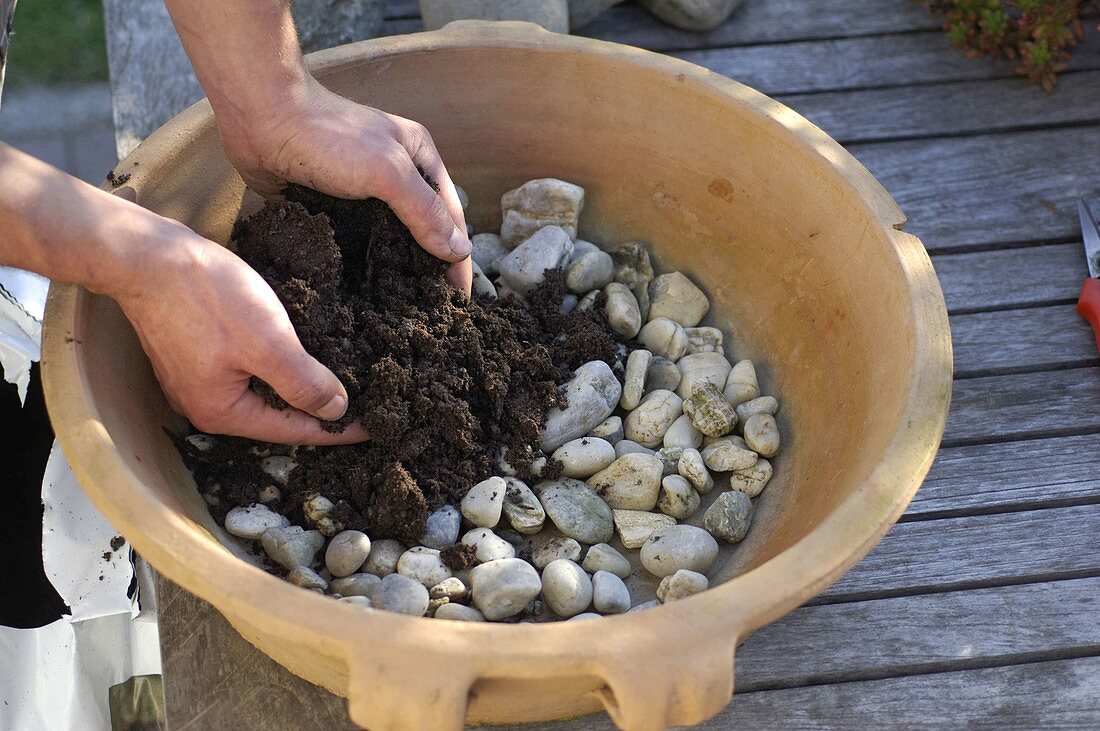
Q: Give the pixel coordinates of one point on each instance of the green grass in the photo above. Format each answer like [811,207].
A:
[57,42]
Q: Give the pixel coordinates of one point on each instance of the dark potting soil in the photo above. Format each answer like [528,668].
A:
[442,384]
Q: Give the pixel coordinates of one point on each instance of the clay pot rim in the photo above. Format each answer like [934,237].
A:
[720,616]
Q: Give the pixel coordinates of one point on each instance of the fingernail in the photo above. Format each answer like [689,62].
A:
[334,409]
[460,244]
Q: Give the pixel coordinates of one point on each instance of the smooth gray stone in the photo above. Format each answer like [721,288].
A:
[550,14]
[577,511]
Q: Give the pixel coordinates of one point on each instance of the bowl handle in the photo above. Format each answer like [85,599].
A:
[407,693]
[648,690]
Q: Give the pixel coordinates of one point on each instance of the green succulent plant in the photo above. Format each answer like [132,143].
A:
[1037,34]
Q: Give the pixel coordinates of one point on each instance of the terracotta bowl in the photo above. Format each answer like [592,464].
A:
[800,251]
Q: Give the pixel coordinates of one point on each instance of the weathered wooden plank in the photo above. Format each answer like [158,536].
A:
[1056,694]
[1010,476]
[1006,278]
[922,634]
[862,63]
[764,21]
[215,679]
[1019,186]
[975,551]
[1012,341]
[1024,406]
[402,9]
[951,108]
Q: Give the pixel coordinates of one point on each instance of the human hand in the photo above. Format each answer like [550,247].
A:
[208,323]
[318,139]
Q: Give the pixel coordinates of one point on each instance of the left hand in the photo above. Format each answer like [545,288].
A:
[331,144]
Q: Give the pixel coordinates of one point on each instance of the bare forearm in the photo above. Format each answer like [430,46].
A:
[69,231]
[247,58]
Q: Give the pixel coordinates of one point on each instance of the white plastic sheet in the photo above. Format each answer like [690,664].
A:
[57,677]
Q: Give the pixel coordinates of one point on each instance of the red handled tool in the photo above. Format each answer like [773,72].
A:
[1088,304]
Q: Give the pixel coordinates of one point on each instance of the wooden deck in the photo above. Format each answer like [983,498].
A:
[982,606]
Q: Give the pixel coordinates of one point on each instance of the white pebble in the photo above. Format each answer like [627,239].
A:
[602,557]
[752,480]
[551,547]
[346,552]
[521,508]
[539,203]
[584,616]
[704,340]
[762,435]
[588,272]
[576,510]
[621,308]
[610,429]
[609,593]
[679,547]
[582,247]
[306,578]
[700,368]
[279,468]
[741,383]
[627,446]
[637,365]
[678,497]
[631,482]
[709,411]
[681,585]
[251,522]
[383,558]
[401,594]
[664,337]
[423,564]
[584,457]
[759,405]
[636,526]
[503,588]
[591,395]
[729,517]
[292,546]
[692,466]
[451,588]
[648,423]
[524,268]
[442,528]
[481,284]
[357,601]
[566,588]
[683,434]
[676,297]
[356,585]
[318,512]
[484,502]
[645,605]
[488,545]
[269,494]
[459,612]
[201,442]
[663,373]
[726,455]
[488,250]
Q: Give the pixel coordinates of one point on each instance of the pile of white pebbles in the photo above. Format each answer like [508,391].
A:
[639,445]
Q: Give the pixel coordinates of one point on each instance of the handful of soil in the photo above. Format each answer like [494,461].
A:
[444,385]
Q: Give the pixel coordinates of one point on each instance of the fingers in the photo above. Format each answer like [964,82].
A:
[254,418]
[425,213]
[461,275]
[302,380]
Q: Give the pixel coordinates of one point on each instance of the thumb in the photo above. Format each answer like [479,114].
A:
[304,383]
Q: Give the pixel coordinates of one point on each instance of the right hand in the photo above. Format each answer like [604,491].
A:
[208,323]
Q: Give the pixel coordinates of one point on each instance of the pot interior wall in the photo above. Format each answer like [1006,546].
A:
[784,251]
